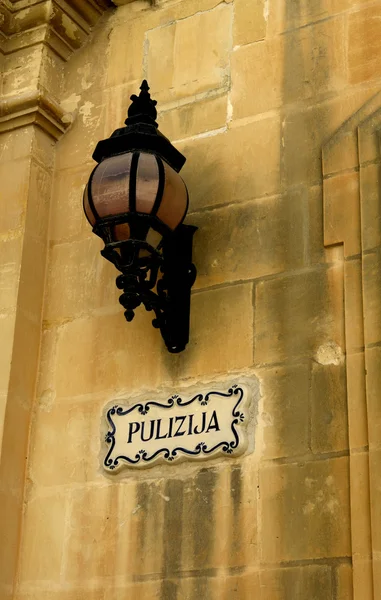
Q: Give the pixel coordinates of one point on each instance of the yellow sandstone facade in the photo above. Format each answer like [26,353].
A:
[277,106]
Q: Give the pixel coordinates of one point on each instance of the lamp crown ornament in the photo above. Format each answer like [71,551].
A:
[136,202]
[142,107]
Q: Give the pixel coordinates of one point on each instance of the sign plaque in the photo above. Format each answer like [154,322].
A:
[205,425]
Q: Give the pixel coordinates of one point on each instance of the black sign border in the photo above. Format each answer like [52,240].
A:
[170,455]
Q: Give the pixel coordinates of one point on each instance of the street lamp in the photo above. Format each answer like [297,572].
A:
[136,202]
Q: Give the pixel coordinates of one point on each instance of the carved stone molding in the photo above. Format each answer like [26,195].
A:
[34,107]
[352,218]
[63,25]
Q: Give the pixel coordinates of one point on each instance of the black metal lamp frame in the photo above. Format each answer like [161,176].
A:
[159,278]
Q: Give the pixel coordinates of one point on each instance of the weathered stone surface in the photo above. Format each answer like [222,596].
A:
[77,147]
[372,304]
[44,528]
[286,411]
[249,21]
[10,522]
[221,338]
[13,194]
[68,221]
[250,240]
[344,582]
[298,583]
[286,67]
[342,225]
[357,409]
[59,434]
[104,353]
[312,498]
[363,49]
[370,206]
[373,378]
[296,314]
[194,118]
[214,178]
[171,73]
[354,329]
[329,420]
[10,250]
[92,280]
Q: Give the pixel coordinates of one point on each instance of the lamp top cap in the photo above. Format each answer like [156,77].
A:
[142,106]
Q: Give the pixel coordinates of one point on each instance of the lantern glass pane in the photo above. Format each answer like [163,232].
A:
[86,207]
[110,185]
[147,183]
[174,204]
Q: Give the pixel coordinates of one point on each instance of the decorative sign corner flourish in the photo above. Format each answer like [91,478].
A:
[205,426]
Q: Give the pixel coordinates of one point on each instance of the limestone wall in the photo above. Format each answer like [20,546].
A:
[276,105]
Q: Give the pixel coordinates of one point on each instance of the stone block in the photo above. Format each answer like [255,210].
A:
[241,164]
[22,70]
[257,62]
[221,335]
[220,503]
[7,326]
[250,240]
[105,353]
[375,495]
[117,101]
[43,539]
[303,64]
[80,593]
[127,43]
[17,143]
[373,383]
[298,583]
[360,506]
[285,416]
[177,68]
[284,16]
[120,536]
[249,21]
[296,314]
[354,325]
[10,527]
[70,434]
[329,418]
[68,221]
[357,403]
[32,278]
[311,498]
[78,144]
[13,194]
[47,367]
[37,213]
[194,118]
[371,296]
[363,572]
[80,279]
[3,405]
[370,178]
[364,30]
[342,212]
[369,138]
[43,148]
[344,582]
[10,252]
[236,586]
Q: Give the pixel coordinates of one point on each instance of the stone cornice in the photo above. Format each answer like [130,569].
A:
[63,25]
[34,107]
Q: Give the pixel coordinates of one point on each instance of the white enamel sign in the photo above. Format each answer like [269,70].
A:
[203,426]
